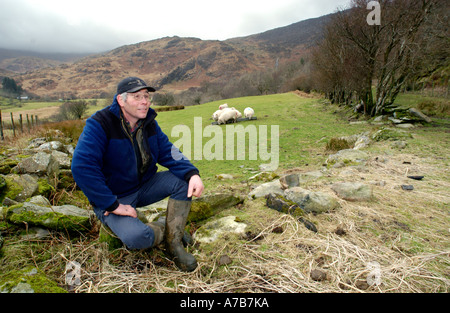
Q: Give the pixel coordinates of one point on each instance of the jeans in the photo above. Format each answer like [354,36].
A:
[134,233]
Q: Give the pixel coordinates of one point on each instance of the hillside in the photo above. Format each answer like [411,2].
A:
[19,61]
[172,63]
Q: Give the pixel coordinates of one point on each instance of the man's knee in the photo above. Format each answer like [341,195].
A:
[138,240]
[180,190]
[136,237]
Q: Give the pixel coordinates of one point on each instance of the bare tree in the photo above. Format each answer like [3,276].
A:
[73,110]
[360,55]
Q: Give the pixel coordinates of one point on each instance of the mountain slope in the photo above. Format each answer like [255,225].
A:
[174,63]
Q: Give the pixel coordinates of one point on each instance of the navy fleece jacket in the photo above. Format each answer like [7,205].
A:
[104,163]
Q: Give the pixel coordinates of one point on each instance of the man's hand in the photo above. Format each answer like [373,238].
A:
[195,186]
[124,210]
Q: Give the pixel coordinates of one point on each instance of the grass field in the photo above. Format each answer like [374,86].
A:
[303,132]
[405,233]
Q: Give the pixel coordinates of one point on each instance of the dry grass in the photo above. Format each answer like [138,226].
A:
[283,265]
[405,232]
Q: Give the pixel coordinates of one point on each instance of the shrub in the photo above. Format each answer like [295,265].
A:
[337,144]
[435,108]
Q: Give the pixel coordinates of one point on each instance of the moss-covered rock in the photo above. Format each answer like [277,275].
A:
[19,187]
[390,134]
[107,236]
[7,165]
[212,230]
[210,205]
[66,217]
[65,179]
[44,187]
[28,280]
[2,183]
[347,157]
[283,205]
[309,201]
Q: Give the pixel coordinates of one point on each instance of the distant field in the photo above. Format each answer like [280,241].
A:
[44,110]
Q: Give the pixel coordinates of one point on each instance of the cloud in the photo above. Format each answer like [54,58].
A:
[95,26]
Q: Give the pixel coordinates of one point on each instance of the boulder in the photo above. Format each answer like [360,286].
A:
[417,113]
[264,176]
[387,133]
[19,187]
[348,156]
[6,165]
[28,280]
[309,201]
[362,142]
[40,164]
[296,179]
[266,189]
[67,217]
[36,142]
[213,230]
[51,146]
[63,159]
[283,205]
[353,191]
[209,205]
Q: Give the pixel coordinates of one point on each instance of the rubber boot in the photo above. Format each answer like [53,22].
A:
[158,228]
[177,213]
[187,238]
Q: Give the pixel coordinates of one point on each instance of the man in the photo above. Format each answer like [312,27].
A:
[114,164]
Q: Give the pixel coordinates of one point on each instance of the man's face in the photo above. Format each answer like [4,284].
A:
[136,106]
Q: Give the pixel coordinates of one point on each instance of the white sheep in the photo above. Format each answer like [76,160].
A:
[239,114]
[227,115]
[249,112]
[216,115]
[223,106]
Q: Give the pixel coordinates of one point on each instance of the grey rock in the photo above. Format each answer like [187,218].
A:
[52,145]
[347,156]
[266,189]
[353,191]
[66,217]
[213,230]
[417,113]
[25,186]
[40,164]
[62,158]
[317,202]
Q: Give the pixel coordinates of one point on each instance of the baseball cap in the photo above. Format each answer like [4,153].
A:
[133,84]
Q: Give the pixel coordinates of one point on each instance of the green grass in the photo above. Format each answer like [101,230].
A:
[303,131]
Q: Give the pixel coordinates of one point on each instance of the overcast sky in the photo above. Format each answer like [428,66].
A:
[101,25]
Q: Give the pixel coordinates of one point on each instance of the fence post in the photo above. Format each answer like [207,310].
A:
[28,123]
[21,123]
[1,126]
[13,126]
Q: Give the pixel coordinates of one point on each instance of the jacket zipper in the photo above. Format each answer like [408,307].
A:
[124,128]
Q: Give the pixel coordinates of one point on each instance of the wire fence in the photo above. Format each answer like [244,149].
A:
[15,127]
